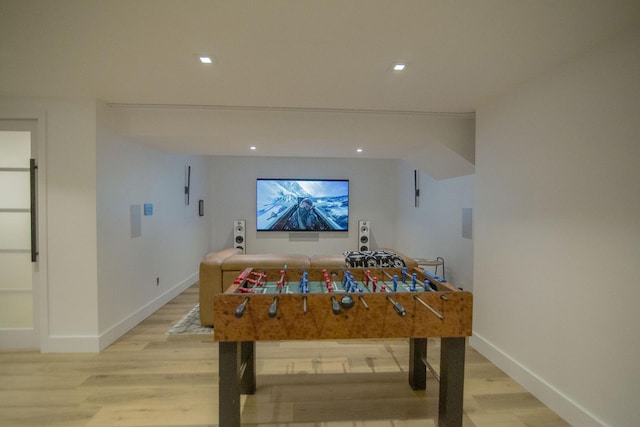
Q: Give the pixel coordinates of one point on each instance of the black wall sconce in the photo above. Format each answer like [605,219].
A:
[187,185]
[416,188]
[201,207]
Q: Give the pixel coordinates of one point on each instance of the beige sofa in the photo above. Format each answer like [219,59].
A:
[218,271]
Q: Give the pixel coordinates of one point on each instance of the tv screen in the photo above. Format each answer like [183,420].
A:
[302,205]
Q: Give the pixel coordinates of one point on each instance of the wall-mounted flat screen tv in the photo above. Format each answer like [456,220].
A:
[302,204]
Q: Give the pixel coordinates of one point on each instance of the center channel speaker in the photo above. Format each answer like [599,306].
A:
[239,231]
[364,231]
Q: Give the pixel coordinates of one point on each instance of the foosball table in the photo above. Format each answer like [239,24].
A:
[347,303]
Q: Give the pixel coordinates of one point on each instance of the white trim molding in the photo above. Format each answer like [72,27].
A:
[563,405]
[97,343]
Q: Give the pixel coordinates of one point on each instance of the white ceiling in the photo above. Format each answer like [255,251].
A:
[314,57]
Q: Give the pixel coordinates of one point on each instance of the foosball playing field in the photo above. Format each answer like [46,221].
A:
[353,303]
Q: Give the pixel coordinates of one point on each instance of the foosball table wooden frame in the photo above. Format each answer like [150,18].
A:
[419,307]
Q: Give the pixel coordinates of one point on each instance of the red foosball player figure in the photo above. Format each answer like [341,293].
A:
[327,282]
[241,277]
[256,282]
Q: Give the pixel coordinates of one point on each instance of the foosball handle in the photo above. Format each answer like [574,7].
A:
[242,307]
[273,308]
[397,307]
[335,306]
[346,301]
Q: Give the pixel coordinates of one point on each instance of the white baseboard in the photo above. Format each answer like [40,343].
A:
[560,403]
[95,344]
[116,331]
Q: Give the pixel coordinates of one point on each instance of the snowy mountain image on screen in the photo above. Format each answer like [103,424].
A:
[277,200]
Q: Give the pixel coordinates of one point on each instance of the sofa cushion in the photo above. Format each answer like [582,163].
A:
[328,261]
[240,262]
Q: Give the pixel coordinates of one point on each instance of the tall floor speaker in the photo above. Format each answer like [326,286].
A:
[364,231]
[239,234]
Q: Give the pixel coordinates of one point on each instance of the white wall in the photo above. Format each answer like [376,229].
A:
[173,239]
[557,236]
[372,183]
[434,228]
[381,192]
[70,285]
[95,283]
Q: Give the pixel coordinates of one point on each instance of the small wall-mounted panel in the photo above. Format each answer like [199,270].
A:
[135,213]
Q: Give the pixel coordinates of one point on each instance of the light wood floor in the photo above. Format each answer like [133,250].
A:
[148,378]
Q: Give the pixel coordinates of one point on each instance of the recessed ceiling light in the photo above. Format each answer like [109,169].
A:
[399,67]
[253,147]
[205,59]
[359,150]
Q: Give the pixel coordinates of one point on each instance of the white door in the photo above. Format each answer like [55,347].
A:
[18,235]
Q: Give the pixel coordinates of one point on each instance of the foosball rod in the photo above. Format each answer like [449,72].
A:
[438,315]
[430,368]
[252,284]
[361,298]
[404,274]
[394,280]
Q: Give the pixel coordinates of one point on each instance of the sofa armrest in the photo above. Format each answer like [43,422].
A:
[211,282]
[408,261]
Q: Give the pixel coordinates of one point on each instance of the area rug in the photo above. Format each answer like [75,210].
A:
[190,324]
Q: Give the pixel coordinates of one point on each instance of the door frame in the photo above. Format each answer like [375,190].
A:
[34,120]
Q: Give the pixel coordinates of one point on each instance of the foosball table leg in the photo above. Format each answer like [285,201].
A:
[229,384]
[417,368]
[236,376]
[452,353]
